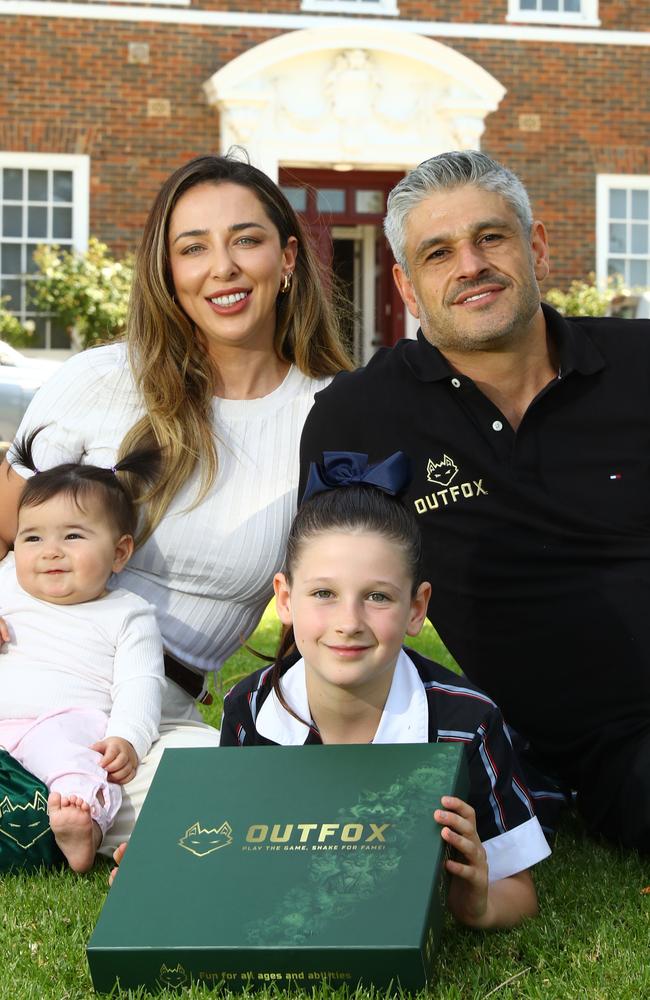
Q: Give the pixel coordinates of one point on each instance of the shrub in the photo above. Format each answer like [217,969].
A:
[12,330]
[87,292]
[583,298]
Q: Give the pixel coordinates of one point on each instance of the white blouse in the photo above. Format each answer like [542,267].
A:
[208,570]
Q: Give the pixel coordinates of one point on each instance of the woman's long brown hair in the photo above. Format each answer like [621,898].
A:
[171,367]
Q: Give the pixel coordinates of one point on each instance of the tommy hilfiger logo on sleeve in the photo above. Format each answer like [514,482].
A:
[443,473]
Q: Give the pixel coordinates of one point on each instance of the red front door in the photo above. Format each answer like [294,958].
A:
[343,212]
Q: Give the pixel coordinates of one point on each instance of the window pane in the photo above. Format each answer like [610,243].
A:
[12,185]
[617,203]
[639,241]
[40,328]
[330,200]
[638,273]
[369,201]
[59,336]
[37,185]
[62,223]
[528,5]
[550,4]
[616,267]
[31,265]
[297,198]
[617,240]
[640,205]
[36,221]
[11,263]
[572,6]
[11,287]
[12,220]
[62,185]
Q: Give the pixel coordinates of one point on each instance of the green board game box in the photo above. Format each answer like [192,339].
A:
[286,865]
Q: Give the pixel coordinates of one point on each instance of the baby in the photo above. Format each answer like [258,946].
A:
[81,675]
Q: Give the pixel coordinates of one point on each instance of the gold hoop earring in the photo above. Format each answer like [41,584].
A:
[286,282]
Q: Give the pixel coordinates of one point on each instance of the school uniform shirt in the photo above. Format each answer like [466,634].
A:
[426,704]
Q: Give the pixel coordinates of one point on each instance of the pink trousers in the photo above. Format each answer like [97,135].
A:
[56,748]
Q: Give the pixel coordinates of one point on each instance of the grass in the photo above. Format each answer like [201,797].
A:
[590,942]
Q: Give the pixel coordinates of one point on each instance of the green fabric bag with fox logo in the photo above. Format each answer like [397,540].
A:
[26,840]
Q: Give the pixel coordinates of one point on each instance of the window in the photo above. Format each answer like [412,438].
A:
[623,229]
[43,199]
[575,12]
[382,7]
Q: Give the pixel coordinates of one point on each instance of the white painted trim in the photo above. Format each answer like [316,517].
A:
[375,37]
[604,182]
[377,8]
[586,17]
[161,3]
[292,22]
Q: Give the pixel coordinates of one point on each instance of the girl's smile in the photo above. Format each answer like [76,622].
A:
[350,602]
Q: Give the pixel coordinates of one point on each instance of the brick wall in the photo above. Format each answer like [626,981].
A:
[68,88]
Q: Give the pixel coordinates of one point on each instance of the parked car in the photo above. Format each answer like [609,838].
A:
[20,377]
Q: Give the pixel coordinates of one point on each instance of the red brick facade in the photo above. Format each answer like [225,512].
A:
[68,87]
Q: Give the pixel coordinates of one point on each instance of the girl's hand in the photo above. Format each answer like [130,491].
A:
[4,633]
[119,759]
[468,889]
[118,854]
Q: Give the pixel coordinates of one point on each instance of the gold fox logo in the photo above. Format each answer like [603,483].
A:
[172,977]
[24,824]
[442,473]
[199,841]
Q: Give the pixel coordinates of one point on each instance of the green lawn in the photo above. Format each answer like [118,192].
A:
[591,941]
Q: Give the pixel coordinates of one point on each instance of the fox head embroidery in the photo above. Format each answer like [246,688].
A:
[24,824]
[172,977]
[441,473]
[200,841]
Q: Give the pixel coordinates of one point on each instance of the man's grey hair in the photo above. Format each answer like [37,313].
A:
[442,173]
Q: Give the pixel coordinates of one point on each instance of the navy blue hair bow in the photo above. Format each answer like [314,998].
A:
[350,468]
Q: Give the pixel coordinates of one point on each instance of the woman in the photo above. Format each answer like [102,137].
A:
[229,336]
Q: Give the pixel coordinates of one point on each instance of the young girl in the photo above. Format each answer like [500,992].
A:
[350,589]
[81,670]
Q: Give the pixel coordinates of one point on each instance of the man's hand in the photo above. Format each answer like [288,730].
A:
[119,759]
[4,634]
[468,890]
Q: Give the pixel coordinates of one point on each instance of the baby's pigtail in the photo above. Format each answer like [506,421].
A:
[22,450]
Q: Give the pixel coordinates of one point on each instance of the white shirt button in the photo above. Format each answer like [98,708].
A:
[497,426]
[456,383]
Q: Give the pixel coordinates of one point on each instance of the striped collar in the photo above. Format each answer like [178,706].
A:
[405,718]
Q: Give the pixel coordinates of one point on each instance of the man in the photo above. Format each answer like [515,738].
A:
[529,436]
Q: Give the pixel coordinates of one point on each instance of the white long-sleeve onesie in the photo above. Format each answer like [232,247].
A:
[104,654]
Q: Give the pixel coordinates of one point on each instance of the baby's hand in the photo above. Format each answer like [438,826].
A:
[468,890]
[119,758]
[4,634]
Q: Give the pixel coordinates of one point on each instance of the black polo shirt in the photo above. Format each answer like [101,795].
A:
[537,542]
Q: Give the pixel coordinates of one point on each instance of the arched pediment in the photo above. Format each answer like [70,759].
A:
[361,96]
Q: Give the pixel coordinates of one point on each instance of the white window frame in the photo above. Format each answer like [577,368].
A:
[586,17]
[155,3]
[79,165]
[604,184]
[382,8]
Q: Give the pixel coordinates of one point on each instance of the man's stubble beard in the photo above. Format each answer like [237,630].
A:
[444,334]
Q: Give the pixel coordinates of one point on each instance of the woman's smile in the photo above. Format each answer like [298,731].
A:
[227,265]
